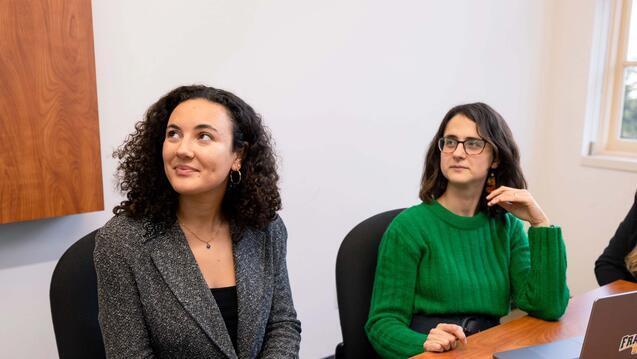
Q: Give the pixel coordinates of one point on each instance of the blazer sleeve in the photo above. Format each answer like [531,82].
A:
[120,310]
[610,266]
[283,329]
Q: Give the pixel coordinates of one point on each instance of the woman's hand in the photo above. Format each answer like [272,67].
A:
[444,337]
[520,203]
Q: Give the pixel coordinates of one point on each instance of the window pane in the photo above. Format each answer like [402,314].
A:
[629,113]
[632,35]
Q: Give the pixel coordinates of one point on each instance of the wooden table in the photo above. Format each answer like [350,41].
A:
[527,330]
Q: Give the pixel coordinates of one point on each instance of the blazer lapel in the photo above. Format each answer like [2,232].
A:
[178,267]
[249,256]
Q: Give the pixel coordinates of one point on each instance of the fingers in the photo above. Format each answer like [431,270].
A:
[439,341]
[520,203]
[444,337]
[507,194]
[436,343]
[454,330]
[436,346]
[497,191]
[433,347]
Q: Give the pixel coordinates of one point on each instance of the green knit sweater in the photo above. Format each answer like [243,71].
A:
[434,262]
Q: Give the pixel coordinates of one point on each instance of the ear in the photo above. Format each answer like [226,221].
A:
[236,164]
[495,164]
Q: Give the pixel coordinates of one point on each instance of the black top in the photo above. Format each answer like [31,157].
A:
[610,266]
[226,299]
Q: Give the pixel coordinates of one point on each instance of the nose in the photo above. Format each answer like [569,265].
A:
[459,152]
[184,150]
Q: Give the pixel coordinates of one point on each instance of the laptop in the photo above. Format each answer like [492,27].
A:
[611,333]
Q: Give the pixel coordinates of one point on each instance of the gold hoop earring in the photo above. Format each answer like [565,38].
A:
[233,178]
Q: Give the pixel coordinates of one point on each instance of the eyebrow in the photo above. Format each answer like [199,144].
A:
[466,138]
[198,127]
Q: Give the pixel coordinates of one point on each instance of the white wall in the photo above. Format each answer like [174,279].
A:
[587,202]
[353,92]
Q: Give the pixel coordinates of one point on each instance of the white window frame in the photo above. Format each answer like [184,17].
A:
[603,147]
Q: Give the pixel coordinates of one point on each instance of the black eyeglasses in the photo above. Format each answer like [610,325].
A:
[471,146]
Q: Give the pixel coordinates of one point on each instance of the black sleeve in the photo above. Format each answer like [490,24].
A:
[610,266]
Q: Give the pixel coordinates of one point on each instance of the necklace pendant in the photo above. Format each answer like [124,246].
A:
[208,246]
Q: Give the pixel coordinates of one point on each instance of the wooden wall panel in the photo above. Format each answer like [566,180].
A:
[49,133]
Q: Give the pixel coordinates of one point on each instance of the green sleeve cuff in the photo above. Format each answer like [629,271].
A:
[544,233]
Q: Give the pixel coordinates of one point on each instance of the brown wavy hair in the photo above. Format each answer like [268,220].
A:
[149,196]
[491,128]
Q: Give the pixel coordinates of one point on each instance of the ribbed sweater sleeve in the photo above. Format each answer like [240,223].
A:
[538,271]
[396,274]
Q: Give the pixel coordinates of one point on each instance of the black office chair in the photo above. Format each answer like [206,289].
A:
[355,270]
[74,303]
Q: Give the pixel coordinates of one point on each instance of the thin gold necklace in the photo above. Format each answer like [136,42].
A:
[208,245]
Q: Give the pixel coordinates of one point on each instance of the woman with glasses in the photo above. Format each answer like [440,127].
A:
[452,265]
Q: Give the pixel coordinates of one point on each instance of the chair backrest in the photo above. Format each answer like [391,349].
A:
[355,270]
[74,307]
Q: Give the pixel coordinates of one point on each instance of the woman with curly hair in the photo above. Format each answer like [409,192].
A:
[193,264]
[451,265]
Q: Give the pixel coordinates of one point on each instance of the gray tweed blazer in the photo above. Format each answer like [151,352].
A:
[154,301]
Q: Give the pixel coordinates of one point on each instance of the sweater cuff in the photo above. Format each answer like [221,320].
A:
[547,247]
[544,233]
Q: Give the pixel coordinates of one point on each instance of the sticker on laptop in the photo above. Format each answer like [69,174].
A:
[629,341]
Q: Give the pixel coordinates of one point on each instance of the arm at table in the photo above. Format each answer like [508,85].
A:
[538,271]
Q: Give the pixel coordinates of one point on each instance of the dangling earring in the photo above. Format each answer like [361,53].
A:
[235,177]
[490,187]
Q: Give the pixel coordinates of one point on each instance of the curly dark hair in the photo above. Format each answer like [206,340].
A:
[493,129]
[253,202]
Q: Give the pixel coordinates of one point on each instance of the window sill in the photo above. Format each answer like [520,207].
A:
[611,161]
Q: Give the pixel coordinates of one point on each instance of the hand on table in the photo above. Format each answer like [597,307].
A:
[444,337]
